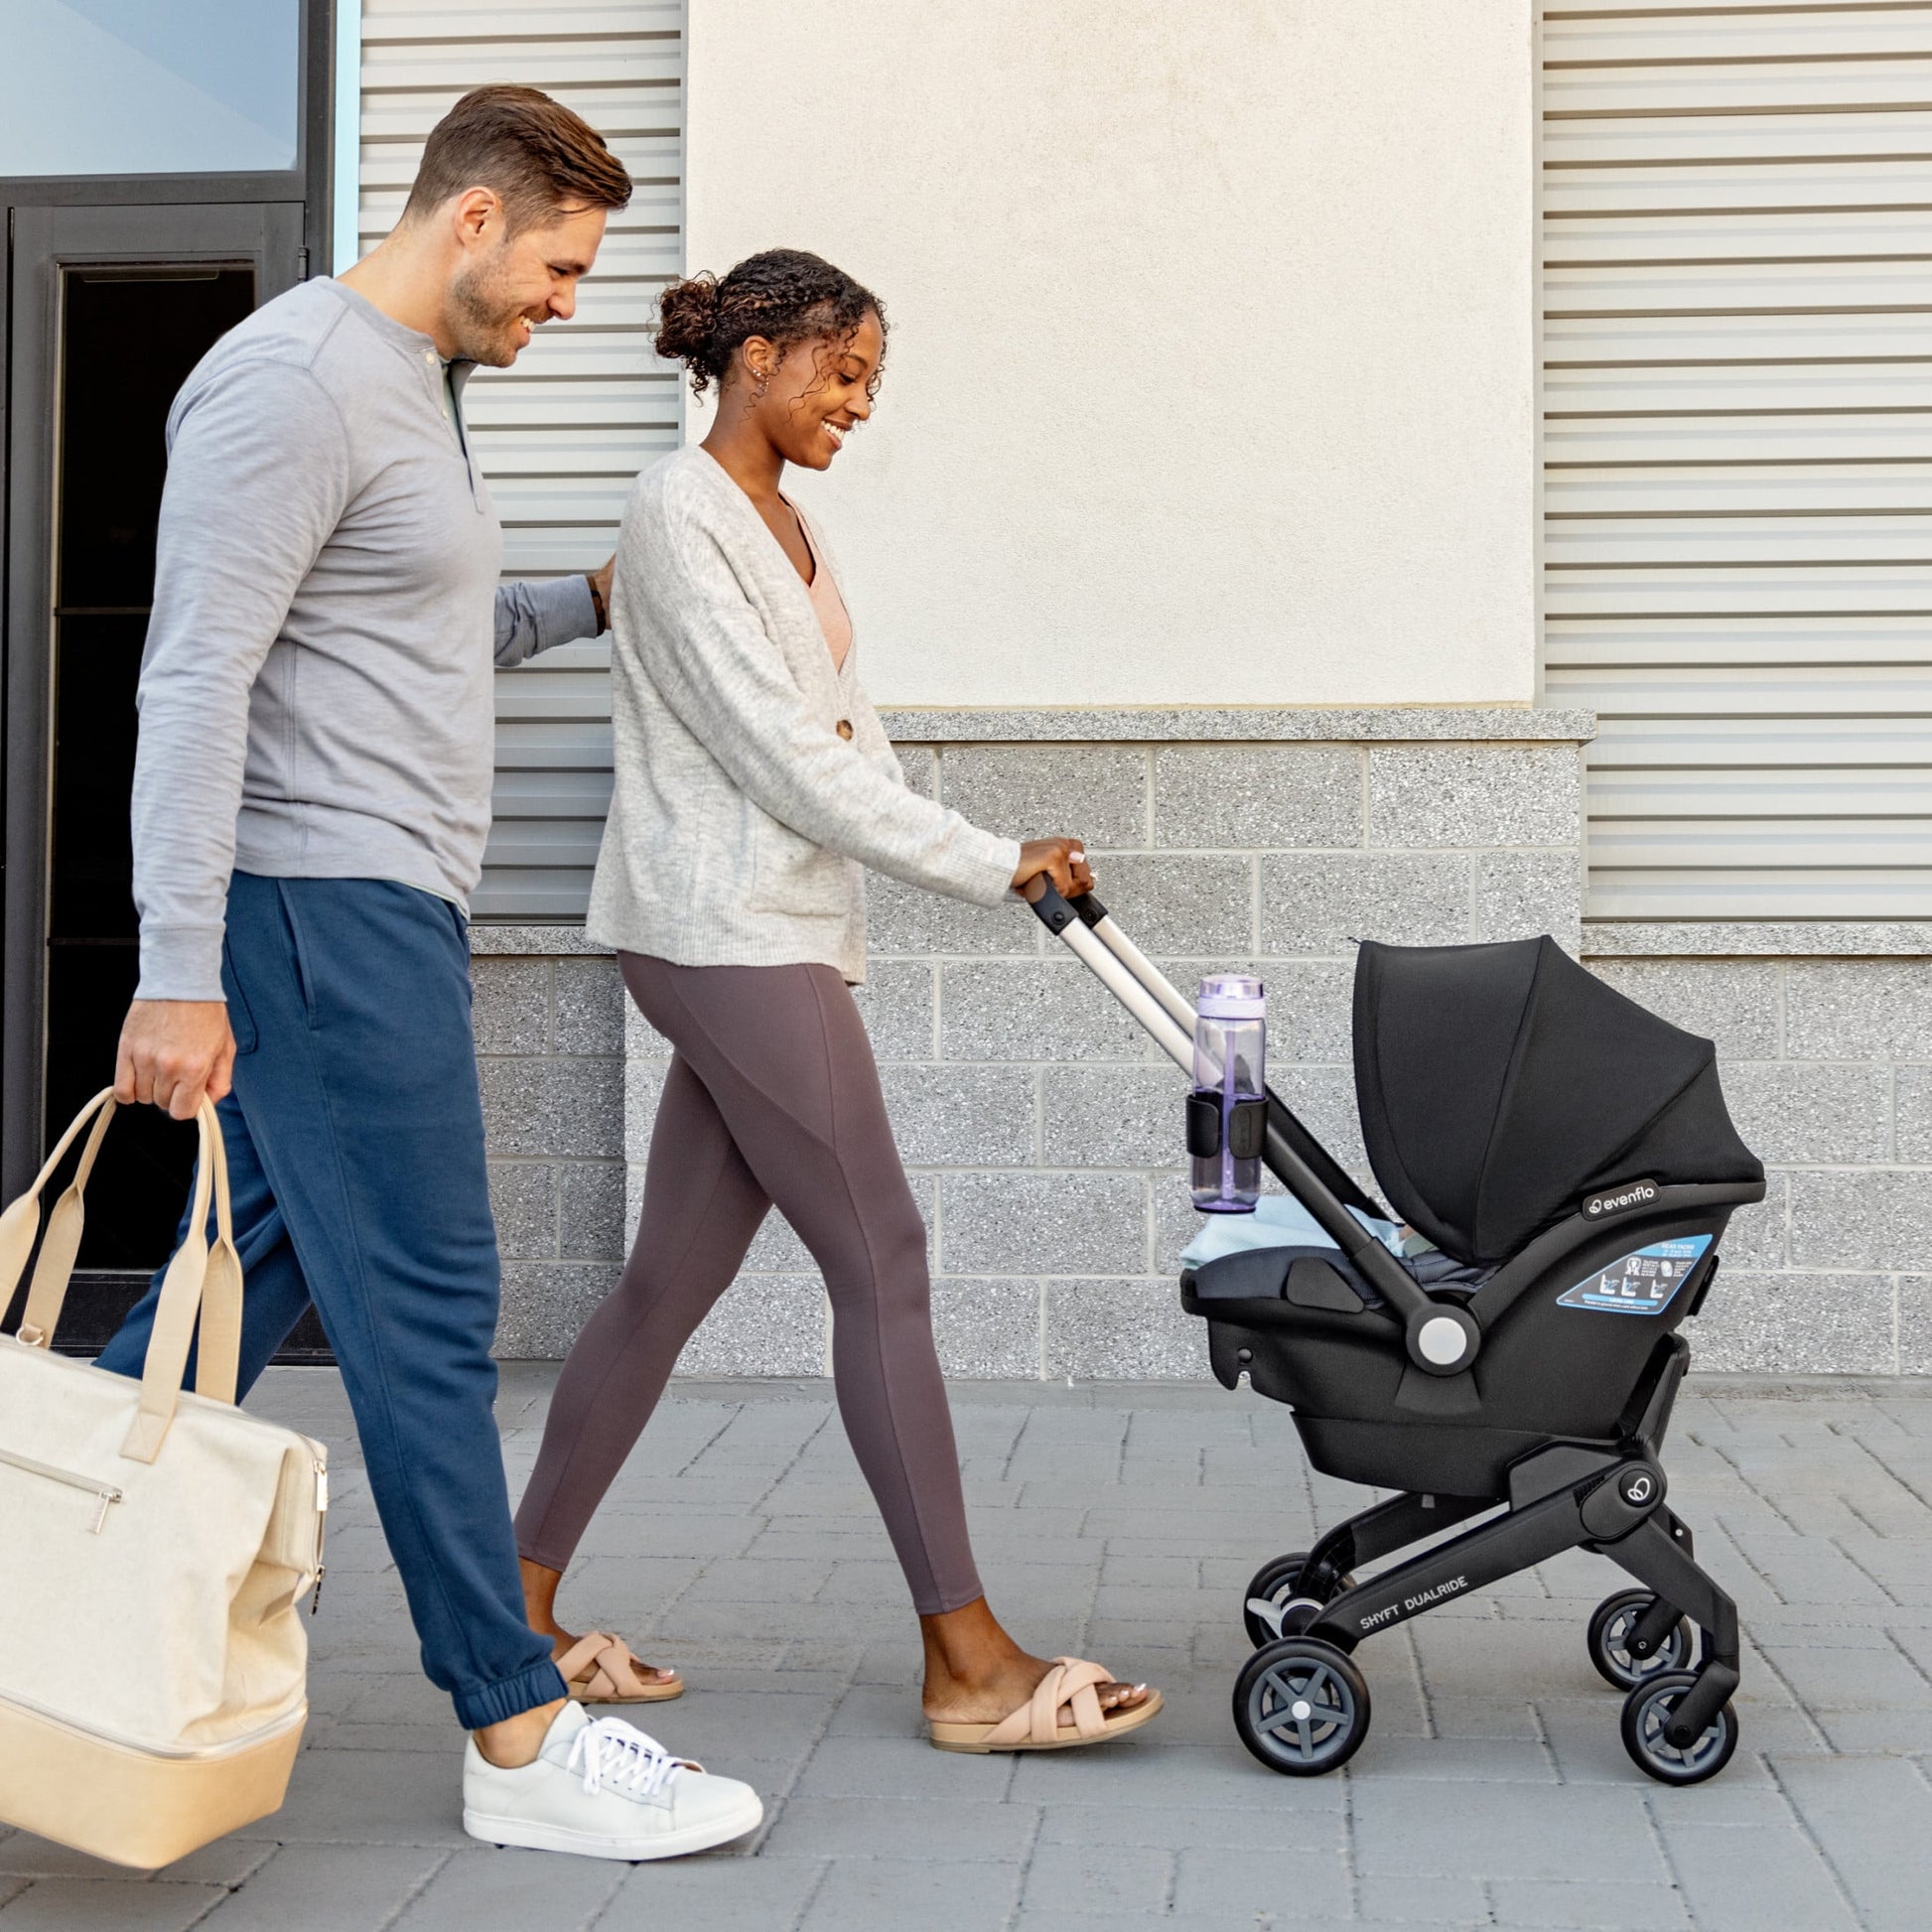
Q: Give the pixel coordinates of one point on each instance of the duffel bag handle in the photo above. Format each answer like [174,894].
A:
[201,1281]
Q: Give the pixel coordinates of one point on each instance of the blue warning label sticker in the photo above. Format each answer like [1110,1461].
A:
[1643,1282]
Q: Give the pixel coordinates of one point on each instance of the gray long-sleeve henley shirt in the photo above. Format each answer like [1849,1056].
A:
[316,692]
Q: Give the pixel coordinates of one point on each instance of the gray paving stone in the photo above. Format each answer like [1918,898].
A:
[1032,791]
[715,1892]
[1515,1830]
[912,1890]
[1112,1882]
[1746,1878]
[311,1887]
[740,1543]
[1209,797]
[1321,902]
[111,1905]
[1861,1811]
[1549,1903]
[946,1830]
[1043,1224]
[1474,796]
[1262,1890]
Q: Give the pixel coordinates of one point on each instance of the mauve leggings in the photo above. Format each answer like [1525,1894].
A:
[772,1099]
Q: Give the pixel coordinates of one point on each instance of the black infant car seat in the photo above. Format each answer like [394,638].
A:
[1571,1155]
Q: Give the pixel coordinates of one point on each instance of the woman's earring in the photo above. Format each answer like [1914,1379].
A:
[758,392]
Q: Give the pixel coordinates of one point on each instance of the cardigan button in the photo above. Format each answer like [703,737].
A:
[844,728]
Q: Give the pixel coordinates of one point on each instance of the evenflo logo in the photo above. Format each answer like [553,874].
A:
[1632,1194]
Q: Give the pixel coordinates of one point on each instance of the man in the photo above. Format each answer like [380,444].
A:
[311,800]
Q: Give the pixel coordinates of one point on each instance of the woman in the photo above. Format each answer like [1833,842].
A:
[753,782]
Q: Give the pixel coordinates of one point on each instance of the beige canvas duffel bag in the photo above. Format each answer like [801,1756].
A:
[155,1548]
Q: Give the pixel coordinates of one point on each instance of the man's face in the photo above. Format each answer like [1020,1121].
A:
[510,283]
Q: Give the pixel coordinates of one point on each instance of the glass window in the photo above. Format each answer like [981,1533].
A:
[133,88]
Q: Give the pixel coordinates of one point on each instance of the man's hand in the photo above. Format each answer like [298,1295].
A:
[600,583]
[172,1052]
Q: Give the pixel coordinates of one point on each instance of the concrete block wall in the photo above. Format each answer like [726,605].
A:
[549,1023]
[1041,1131]
[1827,1066]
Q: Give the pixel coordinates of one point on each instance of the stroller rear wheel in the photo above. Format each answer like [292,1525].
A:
[1301,1707]
[1277,1585]
[1610,1629]
[1647,1711]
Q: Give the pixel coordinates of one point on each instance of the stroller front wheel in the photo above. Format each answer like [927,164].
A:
[1276,1586]
[1610,1630]
[1646,1715]
[1301,1707]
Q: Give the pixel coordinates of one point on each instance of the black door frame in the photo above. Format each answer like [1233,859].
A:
[277,221]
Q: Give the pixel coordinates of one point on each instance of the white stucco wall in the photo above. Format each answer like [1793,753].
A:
[1211,371]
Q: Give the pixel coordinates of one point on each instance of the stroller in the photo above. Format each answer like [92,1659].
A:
[1570,1157]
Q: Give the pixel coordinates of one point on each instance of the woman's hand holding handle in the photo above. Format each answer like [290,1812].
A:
[1062,862]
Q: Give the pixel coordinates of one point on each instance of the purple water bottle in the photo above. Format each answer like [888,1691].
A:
[1227,1113]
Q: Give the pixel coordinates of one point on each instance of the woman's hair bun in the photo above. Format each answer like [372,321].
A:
[784,294]
[687,317]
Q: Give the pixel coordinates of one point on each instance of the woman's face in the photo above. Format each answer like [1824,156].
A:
[815,392]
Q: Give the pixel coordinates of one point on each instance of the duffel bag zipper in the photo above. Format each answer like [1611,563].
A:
[104,1492]
[322,1530]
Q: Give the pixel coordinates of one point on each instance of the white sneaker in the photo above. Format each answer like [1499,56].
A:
[603,1789]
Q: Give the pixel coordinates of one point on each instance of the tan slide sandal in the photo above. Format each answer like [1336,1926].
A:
[600,1669]
[1037,1724]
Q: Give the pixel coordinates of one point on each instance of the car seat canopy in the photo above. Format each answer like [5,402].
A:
[1499,1085]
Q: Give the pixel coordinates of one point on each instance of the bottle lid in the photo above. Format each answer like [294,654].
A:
[1231,996]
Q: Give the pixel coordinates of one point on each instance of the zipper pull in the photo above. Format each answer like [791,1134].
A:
[102,1502]
[315,1601]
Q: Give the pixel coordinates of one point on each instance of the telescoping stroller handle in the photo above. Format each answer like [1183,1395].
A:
[1441,1337]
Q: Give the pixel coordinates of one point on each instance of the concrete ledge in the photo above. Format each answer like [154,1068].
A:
[491,940]
[1758,938]
[1158,724]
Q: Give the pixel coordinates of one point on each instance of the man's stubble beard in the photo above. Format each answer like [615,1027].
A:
[483,317]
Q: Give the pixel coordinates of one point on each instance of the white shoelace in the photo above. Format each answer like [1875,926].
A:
[610,1751]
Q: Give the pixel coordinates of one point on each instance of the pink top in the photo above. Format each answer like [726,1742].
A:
[833,618]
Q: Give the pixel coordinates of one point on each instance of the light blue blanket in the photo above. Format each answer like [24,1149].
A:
[1279,1221]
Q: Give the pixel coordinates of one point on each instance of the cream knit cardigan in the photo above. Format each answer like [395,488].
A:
[742,816]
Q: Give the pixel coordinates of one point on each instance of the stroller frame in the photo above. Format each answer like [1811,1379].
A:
[1299,1703]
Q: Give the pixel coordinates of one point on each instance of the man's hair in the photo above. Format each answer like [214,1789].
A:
[539,158]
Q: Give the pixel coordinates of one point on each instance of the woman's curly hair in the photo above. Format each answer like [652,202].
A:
[784,294]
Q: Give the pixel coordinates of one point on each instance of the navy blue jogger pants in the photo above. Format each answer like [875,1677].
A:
[355,1151]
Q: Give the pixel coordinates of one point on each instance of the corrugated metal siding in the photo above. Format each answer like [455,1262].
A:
[1737,387]
[561,435]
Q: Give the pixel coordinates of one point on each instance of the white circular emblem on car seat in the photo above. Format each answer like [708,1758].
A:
[1441,1340]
